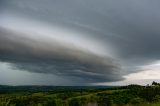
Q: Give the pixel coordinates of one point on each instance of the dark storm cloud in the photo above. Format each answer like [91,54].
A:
[129,27]
[56,57]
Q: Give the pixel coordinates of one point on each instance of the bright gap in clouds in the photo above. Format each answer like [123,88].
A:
[150,71]
[145,75]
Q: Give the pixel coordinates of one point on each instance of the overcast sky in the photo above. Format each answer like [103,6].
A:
[79,42]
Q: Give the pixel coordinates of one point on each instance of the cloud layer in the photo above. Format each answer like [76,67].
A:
[108,39]
[55,57]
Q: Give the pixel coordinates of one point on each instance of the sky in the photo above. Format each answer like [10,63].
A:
[79,42]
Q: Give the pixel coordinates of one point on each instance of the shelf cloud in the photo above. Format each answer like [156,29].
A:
[86,41]
[55,57]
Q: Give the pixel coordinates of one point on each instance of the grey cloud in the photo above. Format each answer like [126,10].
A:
[130,27]
[57,58]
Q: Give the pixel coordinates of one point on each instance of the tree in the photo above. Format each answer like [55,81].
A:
[155,83]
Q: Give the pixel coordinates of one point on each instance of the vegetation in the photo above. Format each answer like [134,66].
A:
[131,95]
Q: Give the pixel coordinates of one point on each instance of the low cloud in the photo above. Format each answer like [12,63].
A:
[56,57]
[126,32]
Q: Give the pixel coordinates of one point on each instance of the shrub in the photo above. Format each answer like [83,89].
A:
[104,101]
[51,103]
[74,102]
[136,100]
[156,98]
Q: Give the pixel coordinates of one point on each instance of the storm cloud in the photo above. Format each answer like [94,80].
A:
[55,57]
[95,41]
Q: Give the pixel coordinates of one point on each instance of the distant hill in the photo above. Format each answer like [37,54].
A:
[37,88]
